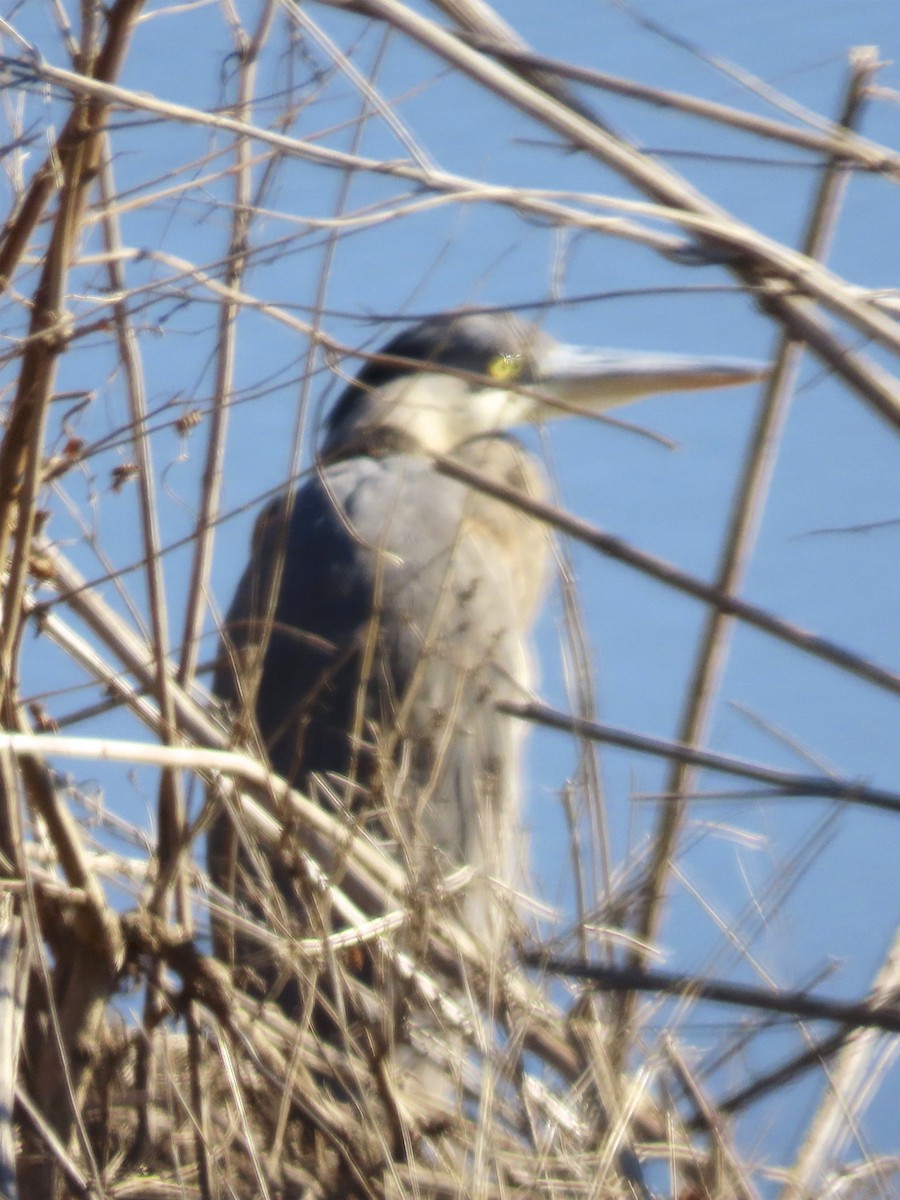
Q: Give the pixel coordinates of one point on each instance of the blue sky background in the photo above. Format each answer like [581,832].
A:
[837,464]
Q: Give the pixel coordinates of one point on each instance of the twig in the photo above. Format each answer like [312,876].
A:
[483,27]
[673,577]
[22,445]
[841,142]
[786,782]
[170,819]
[82,980]
[211,485]
[803,1005]
[44,1128]
[763,1085]
[195,606]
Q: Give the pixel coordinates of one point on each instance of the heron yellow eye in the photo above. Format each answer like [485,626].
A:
[505,367]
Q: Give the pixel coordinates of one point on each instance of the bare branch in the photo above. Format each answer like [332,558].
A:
[796,1004]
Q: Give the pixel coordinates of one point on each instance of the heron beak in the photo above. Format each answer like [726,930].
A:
[595,380]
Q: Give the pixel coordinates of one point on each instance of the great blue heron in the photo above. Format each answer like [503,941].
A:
[386,607]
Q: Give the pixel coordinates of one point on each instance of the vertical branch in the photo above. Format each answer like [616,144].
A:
[13,973]
[22,447]
[249,51]
[746,514]
[171,806]
[13,966]
[88,952]
[21,450]
[82,979]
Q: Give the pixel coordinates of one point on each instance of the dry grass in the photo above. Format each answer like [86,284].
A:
[133,1063]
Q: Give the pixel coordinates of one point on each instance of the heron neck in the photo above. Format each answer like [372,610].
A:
[376,441]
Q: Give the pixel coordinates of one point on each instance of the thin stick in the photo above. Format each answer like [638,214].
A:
[44,1129]
[817,1054]
[736,1180]
[170,821]
[483,27]
[840,142]
[211,485]
[797,1004]
[21,449]
[787,782]
[674,577]
[82,980]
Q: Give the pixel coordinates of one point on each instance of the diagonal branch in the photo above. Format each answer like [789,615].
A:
[674,577]
[786,783]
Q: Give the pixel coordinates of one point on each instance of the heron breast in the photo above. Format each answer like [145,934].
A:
[521,541]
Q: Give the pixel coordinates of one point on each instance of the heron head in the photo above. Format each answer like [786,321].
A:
[462,375]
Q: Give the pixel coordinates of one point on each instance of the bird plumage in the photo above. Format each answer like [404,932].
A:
[386,608]
[384,613]
[394,633]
